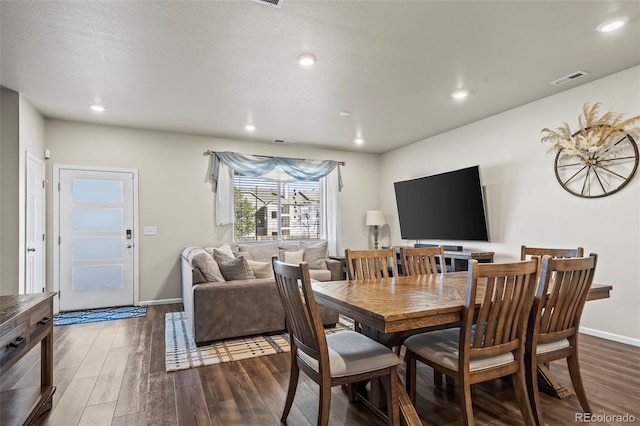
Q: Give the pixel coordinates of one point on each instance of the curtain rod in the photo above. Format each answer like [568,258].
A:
[342,163]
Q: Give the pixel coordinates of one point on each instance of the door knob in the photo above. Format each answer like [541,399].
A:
[31,249]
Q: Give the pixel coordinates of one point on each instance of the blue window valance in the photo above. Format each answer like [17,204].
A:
[258,166]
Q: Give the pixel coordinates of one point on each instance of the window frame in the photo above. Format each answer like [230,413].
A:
[283,230]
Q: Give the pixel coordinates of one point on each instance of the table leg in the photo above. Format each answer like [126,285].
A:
[377,396]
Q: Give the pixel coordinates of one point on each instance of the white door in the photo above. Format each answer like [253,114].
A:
[35,219]
[96,239]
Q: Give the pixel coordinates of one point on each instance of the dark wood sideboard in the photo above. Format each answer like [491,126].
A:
[25,321]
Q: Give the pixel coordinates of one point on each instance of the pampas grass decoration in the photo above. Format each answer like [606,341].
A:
[596,133]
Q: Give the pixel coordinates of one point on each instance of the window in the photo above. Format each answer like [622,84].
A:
[266,210]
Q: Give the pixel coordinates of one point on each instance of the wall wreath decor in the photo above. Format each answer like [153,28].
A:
[600,158]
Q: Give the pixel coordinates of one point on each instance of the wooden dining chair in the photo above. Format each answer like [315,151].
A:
[526,252]
[422,260]
[370,264]
[341,358]
[552,331]
[493,345]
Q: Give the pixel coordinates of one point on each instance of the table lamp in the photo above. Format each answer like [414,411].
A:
[375,218]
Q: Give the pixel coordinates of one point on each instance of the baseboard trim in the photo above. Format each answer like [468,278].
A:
[160,302]
[611,336]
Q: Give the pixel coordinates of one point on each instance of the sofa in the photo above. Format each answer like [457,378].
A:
[230,291]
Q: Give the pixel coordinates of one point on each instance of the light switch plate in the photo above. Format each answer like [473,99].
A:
[150,230]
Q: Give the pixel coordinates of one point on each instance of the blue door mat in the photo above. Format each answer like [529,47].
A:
[96,315]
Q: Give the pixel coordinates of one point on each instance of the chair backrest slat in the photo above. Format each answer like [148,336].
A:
[422,260]
[561,295]
[369,264]
[303,320]
[506,297]
[553,252]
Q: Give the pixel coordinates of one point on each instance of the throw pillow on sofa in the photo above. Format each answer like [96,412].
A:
[207,266]
[294,257]
[261,269]
[235,269]
[225,248]
[315,253]
[260,251]
[285,246]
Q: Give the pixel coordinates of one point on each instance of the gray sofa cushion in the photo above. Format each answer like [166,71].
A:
[234,269]
[207,266]
[294,257]
[225,248]
[241,308]
[287,246]
[320,274]
[315,253]
[260,251]
[261,269]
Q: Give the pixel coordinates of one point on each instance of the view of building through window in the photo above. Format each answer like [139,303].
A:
[266,210]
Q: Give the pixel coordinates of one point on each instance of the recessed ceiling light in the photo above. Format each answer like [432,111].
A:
[249,127]
[612,24]
[306,59]
[460,94]
[97,108]
[344,113]
[358,141]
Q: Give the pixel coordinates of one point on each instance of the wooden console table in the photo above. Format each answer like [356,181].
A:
[25,321]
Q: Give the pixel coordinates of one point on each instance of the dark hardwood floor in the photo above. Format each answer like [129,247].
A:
[112,373]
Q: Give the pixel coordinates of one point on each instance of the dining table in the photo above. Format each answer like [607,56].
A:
[388,308]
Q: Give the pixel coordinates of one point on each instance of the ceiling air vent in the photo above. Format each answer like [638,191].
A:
[568,78]
[272,3]
[283,142]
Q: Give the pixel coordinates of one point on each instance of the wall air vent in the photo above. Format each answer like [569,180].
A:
[272,3]
[283,142]
[568,78]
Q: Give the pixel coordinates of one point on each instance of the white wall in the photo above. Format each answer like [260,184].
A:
[22,131]
[175,195]
[525,203]
[9,191]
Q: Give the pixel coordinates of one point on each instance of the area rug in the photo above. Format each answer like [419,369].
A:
[182,353]
[96,315]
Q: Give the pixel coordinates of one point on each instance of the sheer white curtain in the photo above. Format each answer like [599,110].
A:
[331,186]
[224,196]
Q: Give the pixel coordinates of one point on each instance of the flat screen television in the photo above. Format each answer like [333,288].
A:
[446,206]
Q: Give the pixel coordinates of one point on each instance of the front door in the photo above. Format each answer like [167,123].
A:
[96,238]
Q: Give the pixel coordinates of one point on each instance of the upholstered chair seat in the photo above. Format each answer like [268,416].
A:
[442,347]
[353,353]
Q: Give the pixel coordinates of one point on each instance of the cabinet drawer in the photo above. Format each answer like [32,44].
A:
[40,320]
[13,343]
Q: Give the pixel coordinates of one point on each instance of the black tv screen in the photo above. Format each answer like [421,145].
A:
[447,206]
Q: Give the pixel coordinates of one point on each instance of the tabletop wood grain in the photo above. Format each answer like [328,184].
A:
[405,302]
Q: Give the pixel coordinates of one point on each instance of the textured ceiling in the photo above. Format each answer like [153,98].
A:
[209,67]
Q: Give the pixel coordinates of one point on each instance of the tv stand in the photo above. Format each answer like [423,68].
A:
[459,260]
[455,257]
[446,247]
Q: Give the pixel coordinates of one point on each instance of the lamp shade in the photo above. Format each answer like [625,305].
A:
[375,217]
